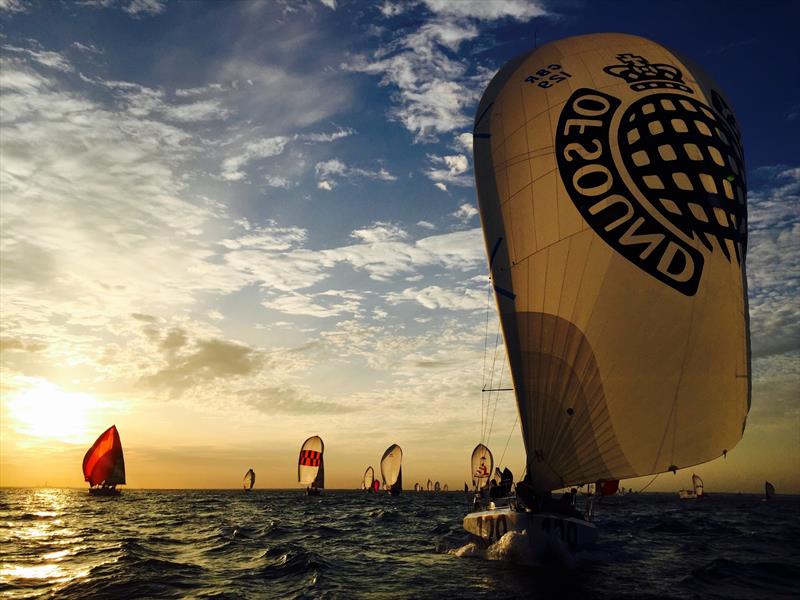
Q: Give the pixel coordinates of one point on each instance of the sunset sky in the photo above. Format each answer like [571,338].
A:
[228,226]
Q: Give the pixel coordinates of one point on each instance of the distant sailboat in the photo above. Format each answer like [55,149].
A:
[417,487]
[482,465]
[695,492]
[437,487]
[769,490]
[104,464]
[445,488]
[392,469]
[311,466]
[617,264]
[249,480]
[369,478]
[429,486]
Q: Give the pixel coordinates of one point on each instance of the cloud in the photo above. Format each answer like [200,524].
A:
[48,58]
[391,9]
[426,225]
[773,261]
[329,3]
[254,150]
[456,166]
[465,212]
[520,10]
[379,232]
[208,360]
[329,303]
[435,297]
[329,171]
[292,401]
[13,6]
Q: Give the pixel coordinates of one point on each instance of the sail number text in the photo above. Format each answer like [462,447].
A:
[496,527]
[548,76]
[567,531]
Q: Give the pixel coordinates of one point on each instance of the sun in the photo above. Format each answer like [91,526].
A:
[45,411]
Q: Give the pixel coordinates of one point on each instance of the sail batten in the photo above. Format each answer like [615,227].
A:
[616,243]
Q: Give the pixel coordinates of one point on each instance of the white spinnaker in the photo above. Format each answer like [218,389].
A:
[310,459]
[390,464]
[619,366]
[482,465]
[249,479]
[429,486]
[697,484]
[369,477]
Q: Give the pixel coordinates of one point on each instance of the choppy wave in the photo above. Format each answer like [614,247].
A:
[227,544]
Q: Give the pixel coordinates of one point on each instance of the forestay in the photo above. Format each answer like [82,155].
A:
[611,189]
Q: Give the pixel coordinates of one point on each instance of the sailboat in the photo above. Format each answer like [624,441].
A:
[429,486]
[249,480]
[392,469]
[616,249]
[417,487]
[482,463]
[769,490]
[369,478]
[445,488]
[311,466]
[104,464]
[695,492]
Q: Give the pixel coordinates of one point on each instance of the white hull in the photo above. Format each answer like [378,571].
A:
[547,532]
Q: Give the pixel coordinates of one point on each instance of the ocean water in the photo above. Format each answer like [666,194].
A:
[282,544]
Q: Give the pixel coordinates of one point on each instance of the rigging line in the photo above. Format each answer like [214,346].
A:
[491,382]
[497,397]
[514,426]
[648,485]
[485,349]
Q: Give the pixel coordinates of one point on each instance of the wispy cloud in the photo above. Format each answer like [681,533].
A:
[773,261]
[329,172]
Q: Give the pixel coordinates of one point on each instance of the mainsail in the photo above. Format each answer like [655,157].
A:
[310,465]
[249,479]
[482,464]
[392,468]
[104,462]
[369,477]
[611,188]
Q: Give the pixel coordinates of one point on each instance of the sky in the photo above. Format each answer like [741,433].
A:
[228,226]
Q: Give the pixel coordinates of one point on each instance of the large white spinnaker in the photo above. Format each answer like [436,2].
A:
[310,464]
[369,477]
[697,485]
[612,195]
[482,464]
[249,480]
[392,469]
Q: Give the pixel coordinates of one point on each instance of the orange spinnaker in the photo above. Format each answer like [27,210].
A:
[104,461]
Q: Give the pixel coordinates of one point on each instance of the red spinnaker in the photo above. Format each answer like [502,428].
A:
[104,461]
[607,487]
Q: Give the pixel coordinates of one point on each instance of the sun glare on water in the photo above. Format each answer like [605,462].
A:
[45,411]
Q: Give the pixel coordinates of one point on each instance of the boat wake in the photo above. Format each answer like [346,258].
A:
[512,548]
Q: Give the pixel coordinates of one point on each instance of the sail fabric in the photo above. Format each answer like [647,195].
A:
[769,490]
[437,487]
[612,195]
[104,461]
[482,465]
[391,463]
[606,487]
[249,479]
[429,486]
[445,488]
[697,485]
[376,485]
[309,463]
[369,477]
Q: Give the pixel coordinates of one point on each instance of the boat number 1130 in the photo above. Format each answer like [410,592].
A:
[548,76]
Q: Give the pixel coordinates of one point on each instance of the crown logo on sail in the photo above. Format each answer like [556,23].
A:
[642,75]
